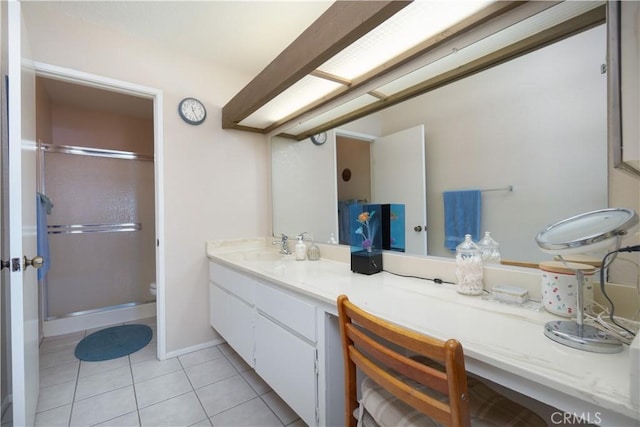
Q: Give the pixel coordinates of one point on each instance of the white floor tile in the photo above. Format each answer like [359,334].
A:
[150,351]
[256,382]
[61,342]
[92,368]
[252,413]
[103,382]
[200,356]
[238,362]
[152,368]
[61,357]
[203,423]
[280,408]
[183,410]
[127,420]
[56,395]
[54,417]
[139,390]
[225,394]
[162,388]
[210,372]
[59,374]
[225,348]
[103,407]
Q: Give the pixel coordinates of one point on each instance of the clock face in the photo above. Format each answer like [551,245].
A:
[192,111]
[319,138]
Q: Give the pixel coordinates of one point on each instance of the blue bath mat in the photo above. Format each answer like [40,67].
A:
[113,342]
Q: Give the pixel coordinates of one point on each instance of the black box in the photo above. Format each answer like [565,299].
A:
[366,262]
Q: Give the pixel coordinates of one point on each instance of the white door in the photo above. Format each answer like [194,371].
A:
[23,283]
[398,176]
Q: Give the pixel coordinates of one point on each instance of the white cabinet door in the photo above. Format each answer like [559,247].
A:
[287,364]
[233,319]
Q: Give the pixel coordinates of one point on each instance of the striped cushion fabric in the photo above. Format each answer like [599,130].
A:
[487,407]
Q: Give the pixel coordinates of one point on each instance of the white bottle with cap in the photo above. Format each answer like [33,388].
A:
[300,248]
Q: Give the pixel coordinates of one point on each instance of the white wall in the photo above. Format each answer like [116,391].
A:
[216,183]
[538,123]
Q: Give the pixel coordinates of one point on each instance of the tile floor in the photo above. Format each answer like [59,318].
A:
[210,387]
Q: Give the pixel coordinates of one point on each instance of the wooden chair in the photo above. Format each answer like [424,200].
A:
[415,376]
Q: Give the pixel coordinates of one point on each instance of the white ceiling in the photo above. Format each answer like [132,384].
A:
[242,35]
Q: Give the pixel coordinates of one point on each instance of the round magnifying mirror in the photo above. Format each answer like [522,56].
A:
[591,231]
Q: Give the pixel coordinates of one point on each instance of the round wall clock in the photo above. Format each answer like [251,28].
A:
[192,111]
[319,138]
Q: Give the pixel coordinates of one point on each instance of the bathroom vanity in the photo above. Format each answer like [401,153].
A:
[279,315]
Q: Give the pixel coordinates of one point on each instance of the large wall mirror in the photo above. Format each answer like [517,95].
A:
[537,124]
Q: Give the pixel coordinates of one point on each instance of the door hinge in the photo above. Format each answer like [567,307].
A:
[16,264]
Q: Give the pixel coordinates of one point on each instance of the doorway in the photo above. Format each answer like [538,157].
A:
[95,151]
[99,149]
[389,169]
[353,175]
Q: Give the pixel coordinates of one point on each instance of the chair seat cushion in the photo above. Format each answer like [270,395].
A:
[487,408]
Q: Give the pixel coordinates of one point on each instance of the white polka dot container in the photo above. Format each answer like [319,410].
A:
[559,287]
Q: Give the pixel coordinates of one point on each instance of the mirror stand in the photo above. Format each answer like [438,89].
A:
[595,230]
[577,334]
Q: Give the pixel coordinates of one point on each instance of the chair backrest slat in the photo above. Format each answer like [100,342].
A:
[402,364]
[384,352]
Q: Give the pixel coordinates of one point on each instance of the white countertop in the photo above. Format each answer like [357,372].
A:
[502,342]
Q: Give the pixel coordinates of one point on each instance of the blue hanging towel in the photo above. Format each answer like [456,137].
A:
[43,208]
[461,216]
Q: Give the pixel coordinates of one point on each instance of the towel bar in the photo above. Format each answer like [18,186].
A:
[507,188]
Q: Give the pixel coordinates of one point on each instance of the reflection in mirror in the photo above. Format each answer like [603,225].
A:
[537,123]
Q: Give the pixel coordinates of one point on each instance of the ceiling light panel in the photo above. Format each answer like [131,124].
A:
[304,126]
[295,98]
[446,59]
[404,30]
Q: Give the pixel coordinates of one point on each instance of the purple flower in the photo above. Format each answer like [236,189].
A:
[366,244]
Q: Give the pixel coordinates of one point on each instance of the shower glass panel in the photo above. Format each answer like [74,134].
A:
[101,232]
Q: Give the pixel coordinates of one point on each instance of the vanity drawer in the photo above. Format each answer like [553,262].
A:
[235,283]
[293,313]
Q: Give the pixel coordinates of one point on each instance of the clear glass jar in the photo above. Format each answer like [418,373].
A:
[490,249]
[313,253]
[469,267]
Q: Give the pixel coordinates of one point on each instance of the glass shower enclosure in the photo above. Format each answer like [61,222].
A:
[101,230]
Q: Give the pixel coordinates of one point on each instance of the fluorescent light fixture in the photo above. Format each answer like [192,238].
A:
[465,54]
[293,99]
[420,46]
[403,31]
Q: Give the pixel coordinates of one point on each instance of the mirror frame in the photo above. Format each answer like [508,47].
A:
[615,76]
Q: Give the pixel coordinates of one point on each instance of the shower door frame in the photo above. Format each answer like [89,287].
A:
[156,95]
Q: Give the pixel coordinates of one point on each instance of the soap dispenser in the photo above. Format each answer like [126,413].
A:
[301,248]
